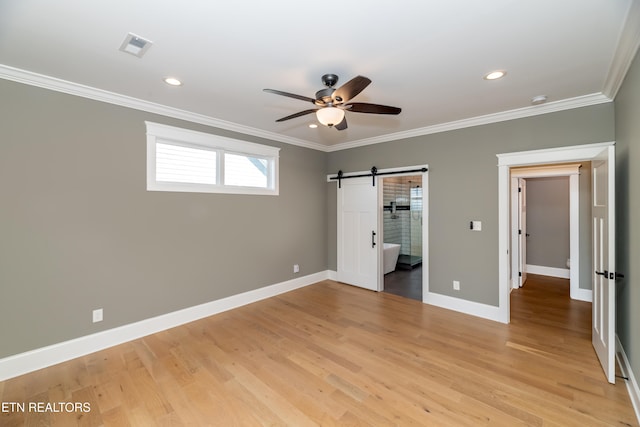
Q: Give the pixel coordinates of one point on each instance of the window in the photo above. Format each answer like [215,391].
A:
[190,161]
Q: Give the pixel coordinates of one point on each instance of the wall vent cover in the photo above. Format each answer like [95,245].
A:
[135,45]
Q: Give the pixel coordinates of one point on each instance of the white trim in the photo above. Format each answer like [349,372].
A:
[64,86]
[76,89]
[504,290]
[202,138]
[485,311]
[160,133]
[574,153]
[426,214]
[574,238]
[503,116]
[626,49]
[580,294]
[546,171]
[632,384]
[563,273]
[33,360]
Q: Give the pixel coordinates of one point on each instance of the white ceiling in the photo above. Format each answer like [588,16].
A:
[427,57]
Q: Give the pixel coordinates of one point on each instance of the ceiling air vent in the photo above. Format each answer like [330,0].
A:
[135,45]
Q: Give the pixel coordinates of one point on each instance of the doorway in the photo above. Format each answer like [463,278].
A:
[360,239]
[519,232]
[402,219]
[602,157]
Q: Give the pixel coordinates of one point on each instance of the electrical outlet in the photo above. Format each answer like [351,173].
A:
[97,315]
[296,268]
[456,285]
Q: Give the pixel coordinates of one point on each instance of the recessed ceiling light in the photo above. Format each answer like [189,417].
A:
[172,81]
[540,99]
[495,75]
[313,125]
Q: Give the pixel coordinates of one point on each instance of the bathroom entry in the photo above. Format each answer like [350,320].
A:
[361,234]
[402,198]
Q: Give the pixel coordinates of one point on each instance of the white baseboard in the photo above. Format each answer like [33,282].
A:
[485,311]
[33,360]
[456,304]
[563,273]
[582,295]
[632,384]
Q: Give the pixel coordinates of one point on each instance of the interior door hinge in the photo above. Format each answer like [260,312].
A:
[519,273]
[519,189]
[519,231]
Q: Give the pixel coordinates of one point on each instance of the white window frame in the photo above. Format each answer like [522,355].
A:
[159,133]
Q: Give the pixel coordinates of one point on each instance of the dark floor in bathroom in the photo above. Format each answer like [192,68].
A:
[406,283]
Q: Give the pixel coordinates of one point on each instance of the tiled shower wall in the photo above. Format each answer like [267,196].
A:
[403,227]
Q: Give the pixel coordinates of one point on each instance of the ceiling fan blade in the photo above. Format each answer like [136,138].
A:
[301,113]
[350,89]
[363,107]
[291,95]
[342,125]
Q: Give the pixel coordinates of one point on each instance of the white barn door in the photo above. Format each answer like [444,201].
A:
[604,276]
[358,236]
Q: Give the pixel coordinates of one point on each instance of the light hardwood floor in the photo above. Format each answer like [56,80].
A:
[331,354]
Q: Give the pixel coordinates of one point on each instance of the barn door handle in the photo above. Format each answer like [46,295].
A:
[373,239]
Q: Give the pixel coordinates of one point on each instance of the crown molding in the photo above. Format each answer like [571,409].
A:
[64,86]
[628,44]
[58,85]
[565,104]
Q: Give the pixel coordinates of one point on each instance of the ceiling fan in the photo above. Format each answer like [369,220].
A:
[332,103]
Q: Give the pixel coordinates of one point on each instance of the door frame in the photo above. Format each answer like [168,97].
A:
[571,171]
[425,223]
[506,161]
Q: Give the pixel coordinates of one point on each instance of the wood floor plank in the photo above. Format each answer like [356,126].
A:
[336,355]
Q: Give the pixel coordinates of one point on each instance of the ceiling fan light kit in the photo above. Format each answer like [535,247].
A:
[332,103]
[330,116]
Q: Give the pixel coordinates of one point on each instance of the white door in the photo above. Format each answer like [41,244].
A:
[518,232]
[522,233]
[358,237]
[603,213]
[515,238]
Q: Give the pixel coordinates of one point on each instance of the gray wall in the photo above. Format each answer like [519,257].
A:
[627,125]
[79,231]
[548,221]
[463,186]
